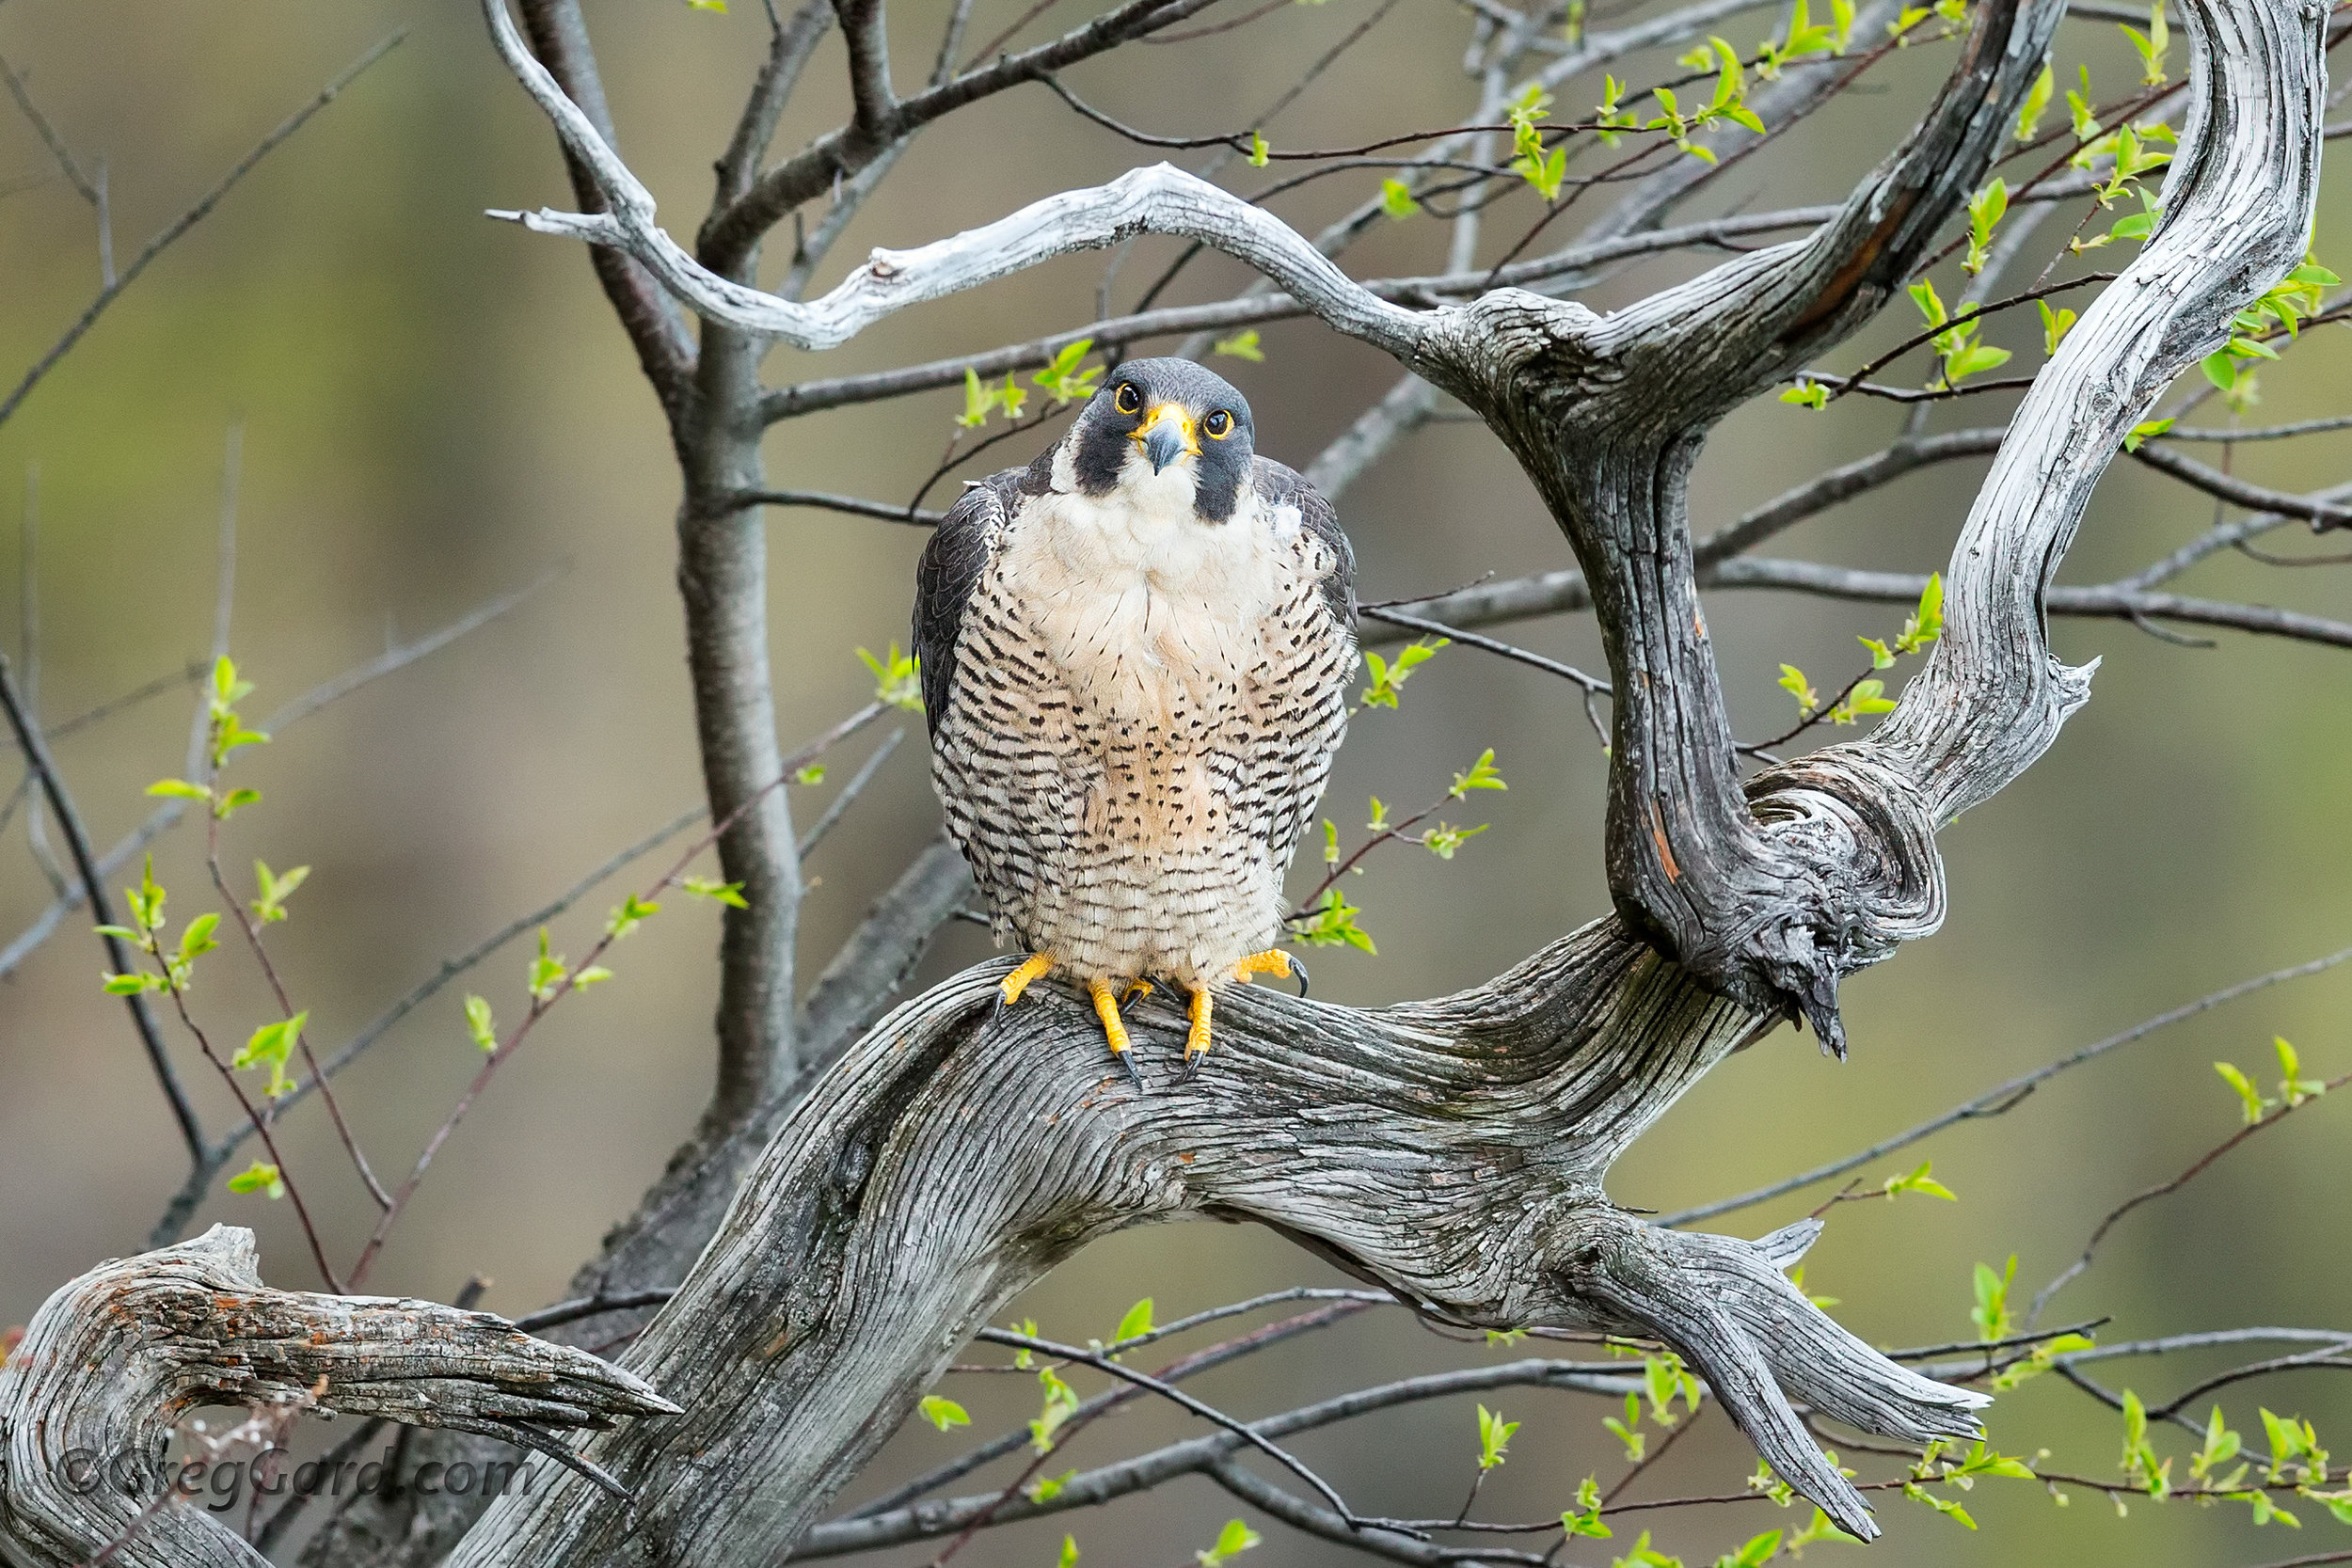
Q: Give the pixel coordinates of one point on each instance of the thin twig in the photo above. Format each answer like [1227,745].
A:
[2163,1189]
[188,220]
[2002,1098]
[1177,1396]
[44,766]
[544,1001]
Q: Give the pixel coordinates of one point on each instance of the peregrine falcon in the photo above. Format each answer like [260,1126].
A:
[1136,658]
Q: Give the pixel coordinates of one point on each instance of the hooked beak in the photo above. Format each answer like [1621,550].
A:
[1166,433]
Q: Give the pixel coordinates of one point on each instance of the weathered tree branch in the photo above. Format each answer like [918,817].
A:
[115,1357]
[1451,1150]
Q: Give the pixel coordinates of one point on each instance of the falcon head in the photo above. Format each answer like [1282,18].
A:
[1166,435]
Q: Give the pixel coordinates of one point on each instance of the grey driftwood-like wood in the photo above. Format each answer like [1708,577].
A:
[1454,1150]
[115,1357]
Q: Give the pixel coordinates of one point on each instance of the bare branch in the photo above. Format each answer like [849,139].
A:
[186,221]
[2110,602]
[2229,487]
[1249,310]
[44,768]
[664,352]
[167,816]
[733,234]
[2002,1097]
[856,506]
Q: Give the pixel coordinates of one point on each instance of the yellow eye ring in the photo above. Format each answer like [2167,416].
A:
[1125,400]
[1220,425]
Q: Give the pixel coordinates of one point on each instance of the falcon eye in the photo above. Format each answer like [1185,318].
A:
[1125,400]
[1220,424]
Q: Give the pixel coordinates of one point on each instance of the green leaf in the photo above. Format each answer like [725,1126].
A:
[1584,1520]
[198,938]
[480,1024]
[592,975]
[1925,624]
[1641,1556]
[1396,199]
[1233,1539]
[1137,1323]
[1920,1181]
[2293,1086]
[1931,305]
[131,985]
[1064,381]
[1061,1402]
[729,893]
[897,678]
[2250,1098]
[1881,656]
[275,890]
[547,969]
[180,789]
[1386,678]
[2037,99]
[630,913]
[1793,682]
[1628,1432]
[1758,1551]
[1069,1558]
[1990,1314]
[259,1176]
[1444,839]
[1257,150]
[1481,775]
[1951,1510]
[1494,1437]
[2141,431]
[1333,923]
[1807,394]
[977,402]
[2054,326]
[1049,1488]
[942,1412]
[1241,345]
[236,801]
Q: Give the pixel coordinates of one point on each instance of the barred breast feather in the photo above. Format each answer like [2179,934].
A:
[1129,742]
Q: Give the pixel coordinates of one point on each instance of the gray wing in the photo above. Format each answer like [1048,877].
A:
[1284,487]
[1294,762]
[952,563]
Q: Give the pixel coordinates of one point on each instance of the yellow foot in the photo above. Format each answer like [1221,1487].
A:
[1272,961]
[1032,968]
[1114,1027]
[1197,1038]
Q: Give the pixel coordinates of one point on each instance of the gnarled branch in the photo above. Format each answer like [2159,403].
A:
[114,1358]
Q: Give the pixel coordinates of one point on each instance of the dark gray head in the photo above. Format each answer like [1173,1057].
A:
[1160,421]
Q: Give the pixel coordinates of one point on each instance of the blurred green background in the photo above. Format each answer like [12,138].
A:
[437,409]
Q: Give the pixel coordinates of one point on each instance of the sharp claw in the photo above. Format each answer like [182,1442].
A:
[1136,993]
[1192,1066]
[1302,974]
[1126,1060]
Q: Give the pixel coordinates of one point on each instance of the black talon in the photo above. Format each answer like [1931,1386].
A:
[1132,997]
[1192,1068]
[1126,1060]
[1302,974]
